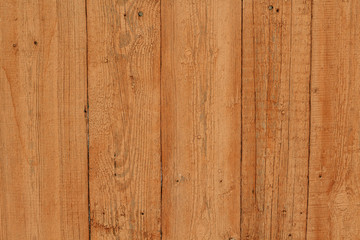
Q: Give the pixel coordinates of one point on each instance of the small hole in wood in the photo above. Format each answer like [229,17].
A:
[271,7]
[140,14]
[277,10]
[35,42]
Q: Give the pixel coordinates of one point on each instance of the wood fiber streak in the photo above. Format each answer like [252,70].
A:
[201,119]
[43,153]
[335,104]
[275,118]
[124,119]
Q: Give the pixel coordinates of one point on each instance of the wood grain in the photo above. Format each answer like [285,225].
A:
[275,113]
[124,119]
[164,119]
[201,119]
[334,164]
[43,152]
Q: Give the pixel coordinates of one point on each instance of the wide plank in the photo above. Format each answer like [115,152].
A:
[201,119]
[43,146]
[334,195]
[275,118]
[124,119]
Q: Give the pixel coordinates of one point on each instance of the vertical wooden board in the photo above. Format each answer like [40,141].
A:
[335,89]
[201,119]
[124,118]
[275,118]
[43,151]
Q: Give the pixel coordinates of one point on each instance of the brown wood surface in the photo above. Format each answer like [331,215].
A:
[124,119]
[201,119]
[179,119]
[334,192]
[43,152]
[275,110]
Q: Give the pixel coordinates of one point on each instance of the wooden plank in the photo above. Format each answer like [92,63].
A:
[124,118]
[275,113]
[43,150]
[201,119]
[335,89]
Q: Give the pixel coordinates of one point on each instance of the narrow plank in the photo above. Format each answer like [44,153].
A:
[43,150]
[335,89]
[124,118]
[275,113]
[201,119]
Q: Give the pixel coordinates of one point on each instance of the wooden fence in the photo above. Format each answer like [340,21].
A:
[179,119]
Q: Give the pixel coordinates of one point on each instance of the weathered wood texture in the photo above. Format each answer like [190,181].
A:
[334,195]
[275,118]
[201,119]
[124,119]
[179,119]
[43,151]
